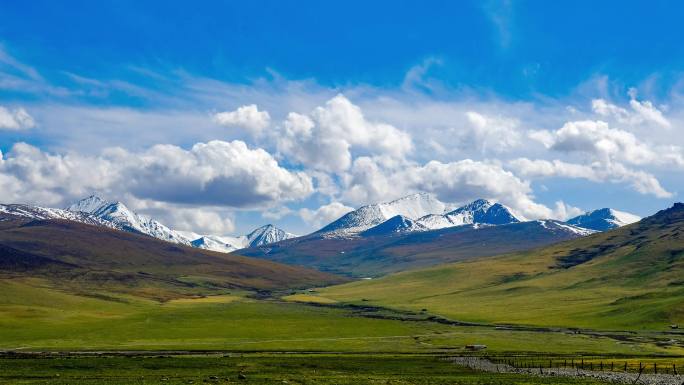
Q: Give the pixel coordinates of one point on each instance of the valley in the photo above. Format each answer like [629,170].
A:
[530,288]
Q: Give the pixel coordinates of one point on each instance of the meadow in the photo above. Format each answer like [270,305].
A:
[255,369]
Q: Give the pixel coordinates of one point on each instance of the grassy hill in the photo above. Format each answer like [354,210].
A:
[628,278]
[84,258]
[376,255]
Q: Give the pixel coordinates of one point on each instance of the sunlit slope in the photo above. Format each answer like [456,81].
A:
[628,278]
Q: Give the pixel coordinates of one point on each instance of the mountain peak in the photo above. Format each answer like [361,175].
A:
[603,219]
[482,211]
[88,204]
[267,234]
[397,224]
[412,206]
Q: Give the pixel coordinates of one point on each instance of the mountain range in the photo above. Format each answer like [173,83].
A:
[415,213]
[116,215]
[418,230]
[423,212]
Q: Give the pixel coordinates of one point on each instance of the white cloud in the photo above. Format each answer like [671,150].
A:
[564,211]
[606,144]
[215,173]
[16,119]
[198,220]
[648,112]
[324,214]
[642,112]
[325,139]
[459,181]
[613,172]
[492,133]
[247,117]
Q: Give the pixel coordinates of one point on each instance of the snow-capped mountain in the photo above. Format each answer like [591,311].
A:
[396,225]
[43,213]
[424,212]
[94,210]
[217,243]
[259,237]
[479,211]
[603,219]
[267,234]
[124,219]
[412,206]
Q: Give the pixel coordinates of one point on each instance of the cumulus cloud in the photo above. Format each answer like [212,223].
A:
[247,117]
[215,173]
[324,214]
[606,144]
[491,133]
[16,119]
[564,211]
[326,138]
[640,181]
[371,181]
[642,112]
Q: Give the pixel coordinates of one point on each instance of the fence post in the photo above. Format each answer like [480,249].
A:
[655,368]
[625,366]
[674,369]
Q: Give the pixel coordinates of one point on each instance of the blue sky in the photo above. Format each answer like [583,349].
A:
[487,82]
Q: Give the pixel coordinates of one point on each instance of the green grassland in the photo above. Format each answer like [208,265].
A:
[37,317]
[627,279]
[256,369]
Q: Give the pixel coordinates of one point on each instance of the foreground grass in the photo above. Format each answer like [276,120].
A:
[255,369]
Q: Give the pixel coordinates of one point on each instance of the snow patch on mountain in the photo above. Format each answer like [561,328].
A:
[564,227]
[604,219]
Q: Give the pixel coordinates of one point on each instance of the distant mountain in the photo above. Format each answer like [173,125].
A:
[94,210]
[603,219]
[43,213]
[412,206]
[424,210]
[124,219]
[259,237]
[265,235]
[217,243]
[391,246]
[479,211]
[396,225]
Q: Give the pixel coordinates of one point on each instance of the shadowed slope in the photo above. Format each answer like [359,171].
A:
[94,256]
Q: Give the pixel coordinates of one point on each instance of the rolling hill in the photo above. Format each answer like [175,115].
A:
[628,278]
[82,257]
